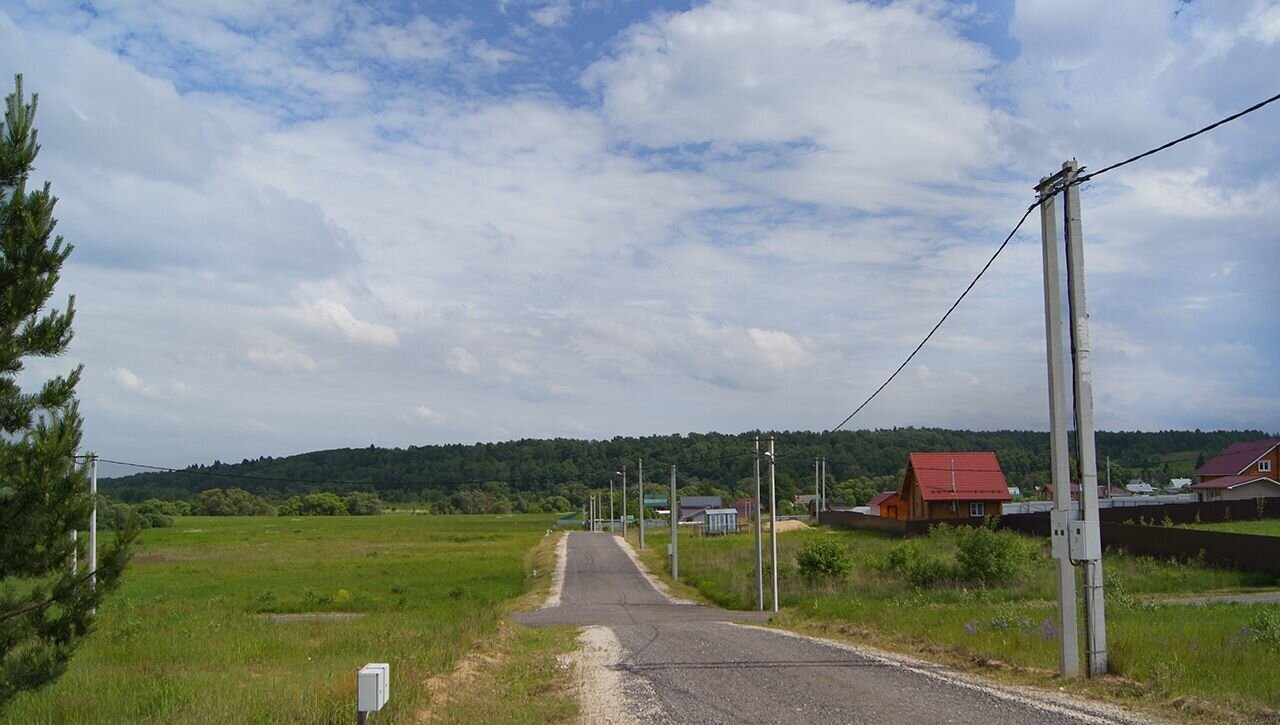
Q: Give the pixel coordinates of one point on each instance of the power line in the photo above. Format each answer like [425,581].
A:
[945,315]
[1176,141]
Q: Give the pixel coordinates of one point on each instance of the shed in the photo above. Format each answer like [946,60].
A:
[887,505]
[719,521]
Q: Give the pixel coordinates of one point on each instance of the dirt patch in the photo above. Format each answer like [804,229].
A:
[469,669]
[318,617]
[790,525]
[155,559]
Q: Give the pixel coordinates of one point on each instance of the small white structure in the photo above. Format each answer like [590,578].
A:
[1178,484]
[1139,487]
[373,684]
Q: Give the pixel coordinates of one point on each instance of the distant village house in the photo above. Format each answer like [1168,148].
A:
[942,486]
[1242,471]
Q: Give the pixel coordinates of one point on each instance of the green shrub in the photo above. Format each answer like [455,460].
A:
[986,556]
[1265,627]
[317,504]
[360,503]
[822,557]
[913,561]
[231,502]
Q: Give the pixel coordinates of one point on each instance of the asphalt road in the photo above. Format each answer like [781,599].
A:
[687,663]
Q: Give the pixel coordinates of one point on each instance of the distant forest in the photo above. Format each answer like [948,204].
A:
[555,475]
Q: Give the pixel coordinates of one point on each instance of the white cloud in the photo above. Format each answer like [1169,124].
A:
[554,14]
[461,361]
[845,118]
[422,412]
[339,317]
[744,214]
[126,379]
[281,359]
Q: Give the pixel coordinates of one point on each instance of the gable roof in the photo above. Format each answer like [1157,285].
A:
[1236,457]
[1232,482]
[688,502]
[976,476]
[881,498]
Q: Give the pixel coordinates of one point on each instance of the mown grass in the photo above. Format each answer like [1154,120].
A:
[188,638]
[1216,661]
[1260,527]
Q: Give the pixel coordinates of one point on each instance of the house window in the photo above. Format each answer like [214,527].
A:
[977,508]
[1264,465]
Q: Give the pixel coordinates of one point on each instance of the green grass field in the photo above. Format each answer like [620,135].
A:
[189,637]
[1261,527]
[1218,661]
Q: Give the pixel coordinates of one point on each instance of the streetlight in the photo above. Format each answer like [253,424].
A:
[612,520]
[623,473]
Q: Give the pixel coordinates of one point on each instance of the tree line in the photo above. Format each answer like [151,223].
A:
[556,475]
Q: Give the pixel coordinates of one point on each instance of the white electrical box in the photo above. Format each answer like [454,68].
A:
[373,686]
[1086,541]
[1059,522]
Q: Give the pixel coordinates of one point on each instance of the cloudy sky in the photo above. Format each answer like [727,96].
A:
[304,225]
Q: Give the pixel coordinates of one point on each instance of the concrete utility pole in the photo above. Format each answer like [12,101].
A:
[641,487]
[613,528]
[675,542]
[1060,465]
[623,473]
[1095,617]
[817,489]
[93,522]
[1076,538]
[824,484]
[759,551]
[773,523]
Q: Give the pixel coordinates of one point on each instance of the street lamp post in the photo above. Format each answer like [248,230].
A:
[623,473]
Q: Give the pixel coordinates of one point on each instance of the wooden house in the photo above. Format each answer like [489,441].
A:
[1242,471]
[887,505]
[948,486]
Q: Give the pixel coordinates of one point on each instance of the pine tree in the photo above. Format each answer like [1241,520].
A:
[45,609]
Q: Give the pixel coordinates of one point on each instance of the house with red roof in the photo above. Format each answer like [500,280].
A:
[1243,470]
[887,505]
[942,486]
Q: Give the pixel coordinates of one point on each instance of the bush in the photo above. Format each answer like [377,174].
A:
[917,564]
[363,504]
[317,504]
[231,502]
[822,557]
[987,556]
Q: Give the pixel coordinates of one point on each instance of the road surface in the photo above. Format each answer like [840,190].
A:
[662,662]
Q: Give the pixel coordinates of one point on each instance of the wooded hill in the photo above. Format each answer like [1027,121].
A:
[525,473]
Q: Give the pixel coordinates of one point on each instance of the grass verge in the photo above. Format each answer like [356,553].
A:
[189,637]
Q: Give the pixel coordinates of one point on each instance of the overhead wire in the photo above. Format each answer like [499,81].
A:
[1165,146]
[943,319]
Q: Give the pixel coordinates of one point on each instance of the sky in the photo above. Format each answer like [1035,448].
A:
[309,225]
